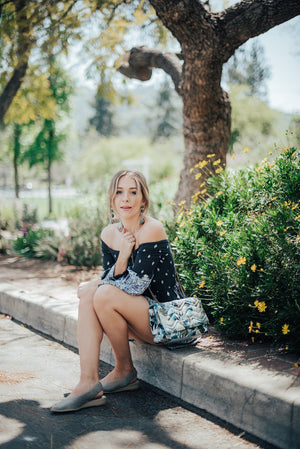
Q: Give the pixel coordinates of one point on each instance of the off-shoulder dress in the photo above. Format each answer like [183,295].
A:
[150,273]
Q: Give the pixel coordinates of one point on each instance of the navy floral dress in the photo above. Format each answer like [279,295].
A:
[152,266]
[151,273]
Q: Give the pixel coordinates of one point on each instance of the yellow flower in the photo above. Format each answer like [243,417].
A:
[241,261]
[261,306]
[246,150]
[201,164]
[219,170]
[203,191]
[264,160]
[274,198]
[198,176]
[258,169]
[219,193]
[253,267]
[199,254]
[285,329]
[210,155]
[222,233]
[201,285]
[258,325]
[250,327]
[295,206]
[192,169]
[219,223]
[296,364]
[217,162]
[222,319]
[252,339]
[195,196]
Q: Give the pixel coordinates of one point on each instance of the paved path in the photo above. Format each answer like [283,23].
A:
[35,372]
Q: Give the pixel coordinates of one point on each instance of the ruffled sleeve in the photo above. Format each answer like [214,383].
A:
[140,271]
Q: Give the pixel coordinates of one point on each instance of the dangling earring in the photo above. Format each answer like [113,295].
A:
[142,218]
[120,226]
[112,215]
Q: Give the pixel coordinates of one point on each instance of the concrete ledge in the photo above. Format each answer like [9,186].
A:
[261,402]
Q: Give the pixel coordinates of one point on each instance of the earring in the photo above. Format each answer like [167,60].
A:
[120,226]
[112,215]
[142,218]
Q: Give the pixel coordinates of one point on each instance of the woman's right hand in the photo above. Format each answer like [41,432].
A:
[128,242]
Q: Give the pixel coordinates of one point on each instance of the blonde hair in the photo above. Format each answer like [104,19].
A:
[141,185]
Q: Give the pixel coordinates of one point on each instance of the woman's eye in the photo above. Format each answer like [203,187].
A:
[118,192]
[133,192]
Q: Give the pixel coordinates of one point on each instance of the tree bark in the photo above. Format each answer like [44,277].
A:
[207,41]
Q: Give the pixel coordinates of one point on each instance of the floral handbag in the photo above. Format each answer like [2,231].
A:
[177,321]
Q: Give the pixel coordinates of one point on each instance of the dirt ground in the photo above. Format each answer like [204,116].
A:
[50,269]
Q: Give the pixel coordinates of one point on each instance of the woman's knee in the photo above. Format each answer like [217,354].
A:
[85,293]
[103,297]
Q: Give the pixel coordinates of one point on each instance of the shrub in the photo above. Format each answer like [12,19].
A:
[28,245]
[82,247]
[239,251]
[17,216]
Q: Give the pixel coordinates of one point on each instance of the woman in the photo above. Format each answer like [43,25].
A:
[138,264]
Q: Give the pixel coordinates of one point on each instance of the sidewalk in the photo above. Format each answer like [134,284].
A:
[252,387]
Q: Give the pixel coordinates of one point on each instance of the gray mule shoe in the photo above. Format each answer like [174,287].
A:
[73,403]
[124,384]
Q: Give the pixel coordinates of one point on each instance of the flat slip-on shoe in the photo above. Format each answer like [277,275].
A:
[124,384]
[74,403]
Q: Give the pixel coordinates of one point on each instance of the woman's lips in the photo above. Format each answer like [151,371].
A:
[125,207]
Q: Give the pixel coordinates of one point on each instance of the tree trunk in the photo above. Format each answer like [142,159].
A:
[49,179]
[206,127]
[50,144]
[16,157]
[12,88]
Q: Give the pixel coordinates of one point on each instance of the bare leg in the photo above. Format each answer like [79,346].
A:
[90,334]
[117,311]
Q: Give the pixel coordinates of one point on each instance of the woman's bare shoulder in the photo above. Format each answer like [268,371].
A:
[108,234]
[152,231]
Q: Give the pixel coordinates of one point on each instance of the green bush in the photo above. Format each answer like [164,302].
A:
[28,244]
[82,247]
[239,251]
[17,216]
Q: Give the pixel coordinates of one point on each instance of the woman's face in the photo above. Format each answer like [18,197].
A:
[128,199]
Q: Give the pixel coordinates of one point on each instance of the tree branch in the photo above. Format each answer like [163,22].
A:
[250,18]
[186,19]
[139,62]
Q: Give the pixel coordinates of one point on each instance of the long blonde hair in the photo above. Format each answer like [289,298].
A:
[141,185]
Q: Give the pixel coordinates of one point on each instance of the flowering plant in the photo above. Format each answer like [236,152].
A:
[240,251]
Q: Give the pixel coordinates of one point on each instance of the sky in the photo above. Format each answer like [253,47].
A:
[282,53]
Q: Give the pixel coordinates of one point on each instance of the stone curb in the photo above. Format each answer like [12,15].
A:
[262,402]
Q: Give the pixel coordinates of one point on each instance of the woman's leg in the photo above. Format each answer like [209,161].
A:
[120,315]
[90,334]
